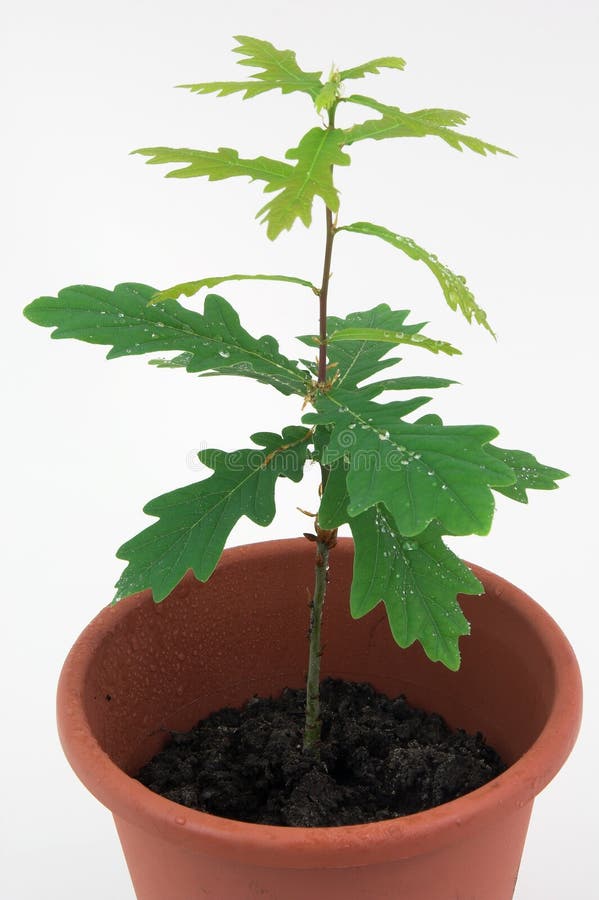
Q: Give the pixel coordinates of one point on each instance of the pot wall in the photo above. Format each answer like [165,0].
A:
[140,669]
[483,868]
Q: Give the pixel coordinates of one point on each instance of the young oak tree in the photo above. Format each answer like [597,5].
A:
[401,483]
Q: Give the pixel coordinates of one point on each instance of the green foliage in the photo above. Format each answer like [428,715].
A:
[393,123]
[318,151]
[225,163]
[400,483]
[354,361]
[296,186]
[530,473]
[279,71]
[417,579]
[189,288]
[393,337]
[373,67]
[420,472]
[408,383]
[195,521]
[122,319]
[328,95]
[454,287]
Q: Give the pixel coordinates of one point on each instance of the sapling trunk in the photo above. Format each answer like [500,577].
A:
[313,723]
[324,293]
[325,539]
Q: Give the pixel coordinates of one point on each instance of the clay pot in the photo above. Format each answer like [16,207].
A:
[140,668]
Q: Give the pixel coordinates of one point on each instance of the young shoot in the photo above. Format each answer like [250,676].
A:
[402,480]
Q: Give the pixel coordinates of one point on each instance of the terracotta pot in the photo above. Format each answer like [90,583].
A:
[140,668]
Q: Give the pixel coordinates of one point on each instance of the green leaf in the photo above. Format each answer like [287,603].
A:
[226,88]
[409,383]
[279,67]
[296,185]
[373,67]
[417,579]
[280,71]
[393,337]
[123,320]
[189,288]
[529,472]
[332,512]
[420,472]
[195,521]
[396,123]
[328,95]
[355,361]
[318,151]
[225,163]
[455,290]
[320,440]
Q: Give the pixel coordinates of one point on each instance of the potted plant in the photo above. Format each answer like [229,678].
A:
[146,670]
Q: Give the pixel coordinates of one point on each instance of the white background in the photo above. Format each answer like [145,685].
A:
[86,443]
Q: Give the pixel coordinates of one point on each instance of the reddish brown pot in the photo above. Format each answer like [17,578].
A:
[139,668]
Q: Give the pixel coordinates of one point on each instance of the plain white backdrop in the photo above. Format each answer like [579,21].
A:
[87,442]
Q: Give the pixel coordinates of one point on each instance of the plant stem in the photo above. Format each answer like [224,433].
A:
[324,287]
[324,292]
[325,540]
[313,724]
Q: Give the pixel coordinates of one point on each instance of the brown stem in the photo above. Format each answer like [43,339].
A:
[324,292]
[324,287]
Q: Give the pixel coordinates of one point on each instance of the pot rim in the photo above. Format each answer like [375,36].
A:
[331,847]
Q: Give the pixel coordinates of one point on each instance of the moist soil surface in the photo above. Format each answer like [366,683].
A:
[379,759]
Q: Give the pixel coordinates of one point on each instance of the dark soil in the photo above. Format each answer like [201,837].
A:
[379,759]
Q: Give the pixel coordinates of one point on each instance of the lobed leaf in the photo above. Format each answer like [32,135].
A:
[280,71]
[122,319]
[224,163]
[420,472]
[195,521]
[454,287]
[318,151]
[529,472]
[354,361]
[417,579]
[296,185]
[226,88]
[373,67]
[189,288]
[279,67]
[422,123]
[407,383]
[393,337]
